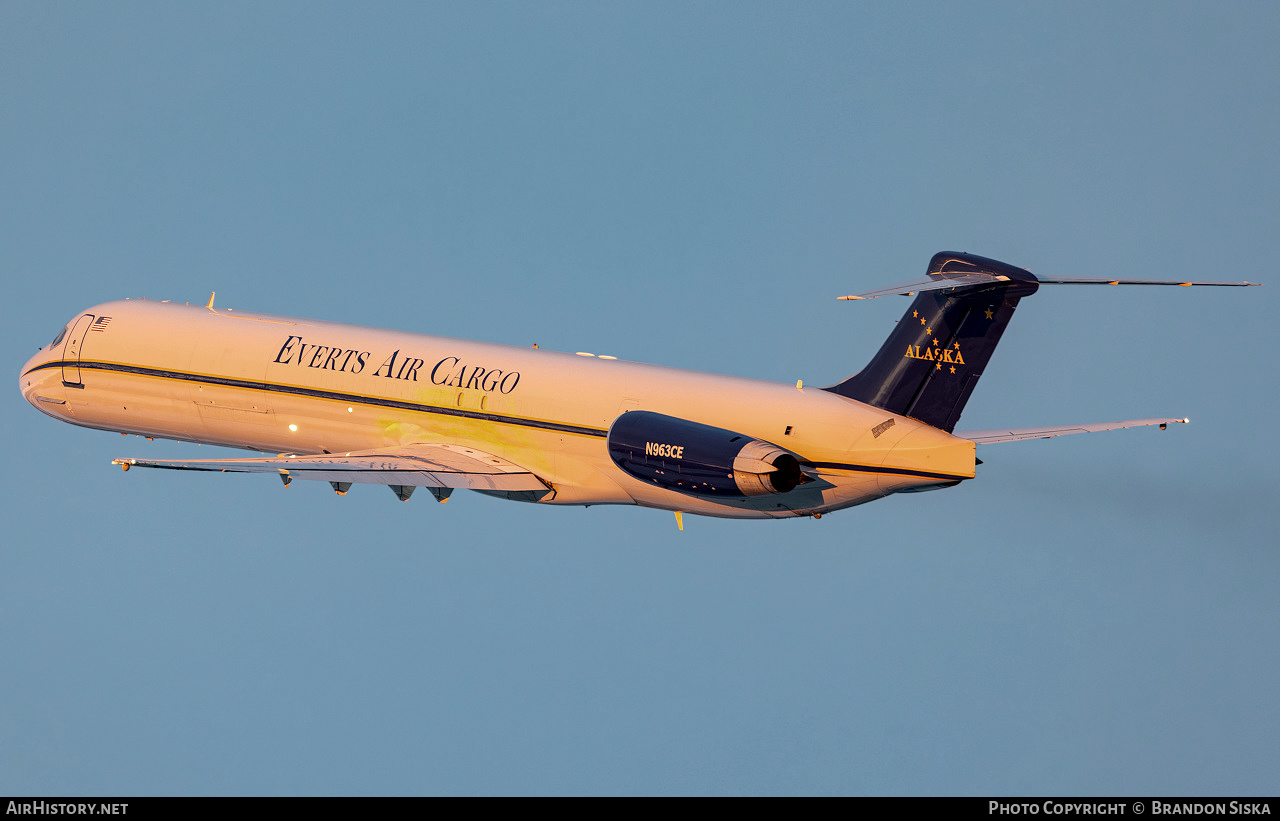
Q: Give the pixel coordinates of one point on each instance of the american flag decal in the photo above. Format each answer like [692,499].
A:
[100,324]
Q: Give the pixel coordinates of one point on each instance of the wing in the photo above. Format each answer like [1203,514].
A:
[990,437]
[417,465]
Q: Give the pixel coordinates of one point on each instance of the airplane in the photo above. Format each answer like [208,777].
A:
[355,405]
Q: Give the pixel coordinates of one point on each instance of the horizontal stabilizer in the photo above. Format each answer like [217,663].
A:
[990,437]
[418,465]
[981,278]
[915,286]
[1186,283]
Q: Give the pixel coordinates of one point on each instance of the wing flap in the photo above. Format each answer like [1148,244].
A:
[418,465]
[991,437]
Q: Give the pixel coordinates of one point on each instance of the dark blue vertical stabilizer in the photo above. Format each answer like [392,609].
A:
[932,361]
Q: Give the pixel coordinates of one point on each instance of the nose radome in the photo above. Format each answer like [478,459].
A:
[41,387]
[26,377]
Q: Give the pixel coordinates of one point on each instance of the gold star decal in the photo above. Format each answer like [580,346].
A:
[990,313]
[953,368]
[928,330]
[921,320]
[957,346]
[935,341]
[915,314]
[938,366]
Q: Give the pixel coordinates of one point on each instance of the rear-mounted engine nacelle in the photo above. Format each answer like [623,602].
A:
[690,457]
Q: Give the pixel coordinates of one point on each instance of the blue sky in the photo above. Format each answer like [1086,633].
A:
[688,184]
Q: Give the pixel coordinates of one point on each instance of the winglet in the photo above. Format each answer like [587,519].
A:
[679,520]
[212,294]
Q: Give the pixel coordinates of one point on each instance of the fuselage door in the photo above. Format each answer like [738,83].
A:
[71,351]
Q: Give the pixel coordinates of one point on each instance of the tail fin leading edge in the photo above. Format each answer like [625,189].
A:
[930,364]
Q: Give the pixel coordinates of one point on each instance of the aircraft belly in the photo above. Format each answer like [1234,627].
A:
[836,492]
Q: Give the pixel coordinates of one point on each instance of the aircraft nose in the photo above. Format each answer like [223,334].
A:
[26,376]
[41,386]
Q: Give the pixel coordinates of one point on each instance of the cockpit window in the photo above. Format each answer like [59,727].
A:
[61,334]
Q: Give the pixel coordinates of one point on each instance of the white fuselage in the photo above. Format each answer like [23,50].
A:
[277,384]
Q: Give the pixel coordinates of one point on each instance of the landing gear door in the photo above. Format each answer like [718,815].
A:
[71,351]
